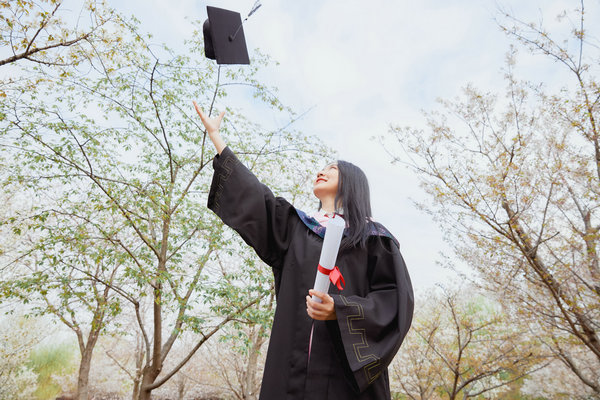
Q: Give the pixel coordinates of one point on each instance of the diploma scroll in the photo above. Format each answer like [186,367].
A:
[331,246]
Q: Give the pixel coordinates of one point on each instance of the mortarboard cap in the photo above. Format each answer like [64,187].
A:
[224,39]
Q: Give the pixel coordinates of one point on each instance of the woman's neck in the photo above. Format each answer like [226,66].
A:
[327,205]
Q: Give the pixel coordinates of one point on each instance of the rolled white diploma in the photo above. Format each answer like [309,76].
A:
[329,251]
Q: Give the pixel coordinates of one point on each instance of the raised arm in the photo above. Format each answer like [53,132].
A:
[212,126]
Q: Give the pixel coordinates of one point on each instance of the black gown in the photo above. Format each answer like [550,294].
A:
[350,355]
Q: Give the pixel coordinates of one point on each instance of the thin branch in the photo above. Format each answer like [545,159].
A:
[162,127]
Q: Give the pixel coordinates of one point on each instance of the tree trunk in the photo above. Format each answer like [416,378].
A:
[148,379]
[84,375]
[154,366]
[85,365]
[145,394]
[136,388]
[139,360]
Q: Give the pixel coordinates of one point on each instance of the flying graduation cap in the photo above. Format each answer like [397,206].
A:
[224,38]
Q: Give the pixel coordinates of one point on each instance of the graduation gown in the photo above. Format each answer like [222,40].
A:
[349,356]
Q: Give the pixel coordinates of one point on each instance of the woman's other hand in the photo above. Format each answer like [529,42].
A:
[320,311]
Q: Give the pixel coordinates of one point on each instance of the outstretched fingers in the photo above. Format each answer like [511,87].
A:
[211,124]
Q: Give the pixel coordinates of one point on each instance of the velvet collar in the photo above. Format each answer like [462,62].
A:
[376,229]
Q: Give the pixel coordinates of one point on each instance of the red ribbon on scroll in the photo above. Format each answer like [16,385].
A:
[335,276]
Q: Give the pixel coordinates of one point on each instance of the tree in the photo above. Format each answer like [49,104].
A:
[555,381]
[240,358]
[463,347]
[60,275]
[517,181]
[36,31]
[47,35]
[122,144]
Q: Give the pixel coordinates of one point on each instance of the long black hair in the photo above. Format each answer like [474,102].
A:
[354,197]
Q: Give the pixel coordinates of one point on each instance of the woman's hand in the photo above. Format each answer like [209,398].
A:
[211,124]
[212,127]
[320,311]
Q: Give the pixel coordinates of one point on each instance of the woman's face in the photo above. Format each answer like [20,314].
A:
[326,182]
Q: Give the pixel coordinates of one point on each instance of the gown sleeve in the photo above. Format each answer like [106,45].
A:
[246,205]
[371,328]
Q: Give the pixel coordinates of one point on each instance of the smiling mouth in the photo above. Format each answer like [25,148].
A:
[320,180]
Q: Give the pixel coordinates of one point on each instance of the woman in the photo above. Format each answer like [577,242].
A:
[339,348]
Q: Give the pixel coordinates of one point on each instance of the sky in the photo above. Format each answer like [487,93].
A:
[359,67]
